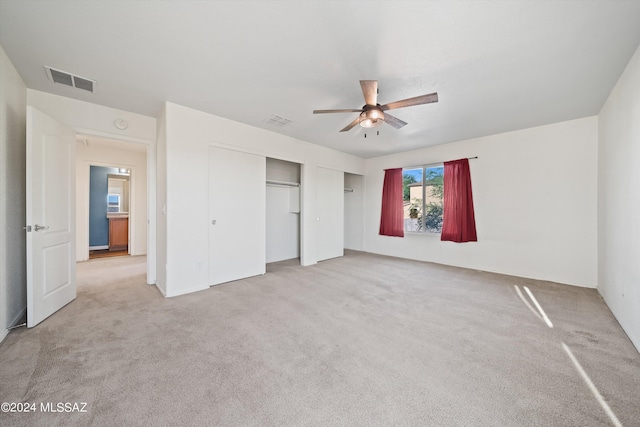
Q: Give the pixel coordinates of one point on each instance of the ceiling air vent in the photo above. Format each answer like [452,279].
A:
[62,77]
[277,120]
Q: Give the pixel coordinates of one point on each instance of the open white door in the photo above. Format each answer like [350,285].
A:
[51,268]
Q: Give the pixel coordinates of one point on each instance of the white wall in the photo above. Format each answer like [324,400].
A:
[161,203]
[188,135]
[13,280]
[354,212]
[281,170]
[534,193]
[619,200]
[87,155]
[93,119]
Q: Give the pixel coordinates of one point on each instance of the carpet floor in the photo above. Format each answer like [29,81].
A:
[362,340]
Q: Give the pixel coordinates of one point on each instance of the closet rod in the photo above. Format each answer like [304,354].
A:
[348,190]
[431,164]
[285,183]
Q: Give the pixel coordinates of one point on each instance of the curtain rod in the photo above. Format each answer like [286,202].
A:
[430,164]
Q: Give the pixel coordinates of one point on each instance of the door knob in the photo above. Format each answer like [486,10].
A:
[40,227]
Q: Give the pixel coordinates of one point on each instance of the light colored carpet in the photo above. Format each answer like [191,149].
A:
[357,341]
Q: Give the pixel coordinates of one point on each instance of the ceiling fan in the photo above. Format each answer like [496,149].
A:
[373,114]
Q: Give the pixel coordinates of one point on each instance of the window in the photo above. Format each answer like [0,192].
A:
[423,189]
[113,202]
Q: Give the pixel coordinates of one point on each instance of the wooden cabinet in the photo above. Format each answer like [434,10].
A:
[118,234]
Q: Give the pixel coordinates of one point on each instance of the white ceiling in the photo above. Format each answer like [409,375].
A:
[496,65]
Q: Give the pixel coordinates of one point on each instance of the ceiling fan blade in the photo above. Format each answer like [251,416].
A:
[370,91]
[351,125]
[418,100]
[336,111]
[394,121]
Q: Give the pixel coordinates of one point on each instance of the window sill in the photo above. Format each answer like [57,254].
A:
[420,233]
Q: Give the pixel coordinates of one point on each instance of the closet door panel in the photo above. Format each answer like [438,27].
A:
[237,215]
[330,218]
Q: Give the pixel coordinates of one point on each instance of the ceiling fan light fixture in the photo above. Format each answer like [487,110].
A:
[368,123]
[371,118]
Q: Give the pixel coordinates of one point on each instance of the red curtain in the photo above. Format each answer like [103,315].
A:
[392,216]
[458,224]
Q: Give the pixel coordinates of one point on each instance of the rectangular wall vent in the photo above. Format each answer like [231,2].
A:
[62,77]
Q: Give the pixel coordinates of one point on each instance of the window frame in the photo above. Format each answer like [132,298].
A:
[112,205]
[422,229]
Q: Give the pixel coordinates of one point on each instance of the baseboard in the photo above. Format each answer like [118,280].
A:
[635,341]
[160,290]
[98,248]
[629,332]
[14,321]
[283,259]
[185,291]
[20,316]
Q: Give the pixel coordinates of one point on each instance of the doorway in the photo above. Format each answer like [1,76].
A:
[109,211]
[282,210]
[111,198]
[354,211]
[54,208]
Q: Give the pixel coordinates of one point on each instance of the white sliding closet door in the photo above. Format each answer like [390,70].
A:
[330,208]
[236,215]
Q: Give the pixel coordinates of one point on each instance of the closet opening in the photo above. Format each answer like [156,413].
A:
[282,210]
[354,211]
